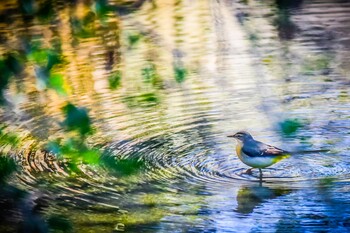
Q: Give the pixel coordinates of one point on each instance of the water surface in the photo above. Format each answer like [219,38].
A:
[164,83]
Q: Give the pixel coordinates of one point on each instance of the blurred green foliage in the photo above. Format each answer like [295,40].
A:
[7,167]
[77,119]
[114,80]
[290,126]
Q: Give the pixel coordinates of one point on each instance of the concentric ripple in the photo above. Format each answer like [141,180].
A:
[210,69]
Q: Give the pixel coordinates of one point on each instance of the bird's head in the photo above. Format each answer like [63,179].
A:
[241,136]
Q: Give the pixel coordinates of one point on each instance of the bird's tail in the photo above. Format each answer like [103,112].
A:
[309,151]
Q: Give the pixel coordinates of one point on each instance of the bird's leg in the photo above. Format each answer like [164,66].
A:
[260,173]
[248,171]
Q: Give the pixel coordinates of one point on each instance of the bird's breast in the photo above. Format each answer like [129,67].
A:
[256,161]
[239,150]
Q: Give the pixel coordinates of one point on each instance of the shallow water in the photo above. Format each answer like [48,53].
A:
[191,73]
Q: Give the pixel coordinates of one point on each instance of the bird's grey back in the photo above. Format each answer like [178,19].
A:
[255,148]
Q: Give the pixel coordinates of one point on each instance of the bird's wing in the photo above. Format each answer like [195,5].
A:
[257,149]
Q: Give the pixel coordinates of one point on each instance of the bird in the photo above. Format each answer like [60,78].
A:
[259,155]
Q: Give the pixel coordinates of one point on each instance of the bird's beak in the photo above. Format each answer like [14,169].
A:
[231,136]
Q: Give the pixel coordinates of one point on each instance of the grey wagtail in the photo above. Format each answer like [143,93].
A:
[260,155]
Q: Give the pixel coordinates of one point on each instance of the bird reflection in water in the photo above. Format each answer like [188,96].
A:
[250,197]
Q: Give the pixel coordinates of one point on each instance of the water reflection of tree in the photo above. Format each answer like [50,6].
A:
[285,26]
[38,43]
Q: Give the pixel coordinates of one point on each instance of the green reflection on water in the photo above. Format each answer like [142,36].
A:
[143,100]
[290,126]
[59,223]
[77,119]
[11,65]
[87,57]
[7,167]
[115,80]
[319,63]
[119,166]
[7,138]
[180,74]
[150,75]
[56,82]
[133,39]
[85,27]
